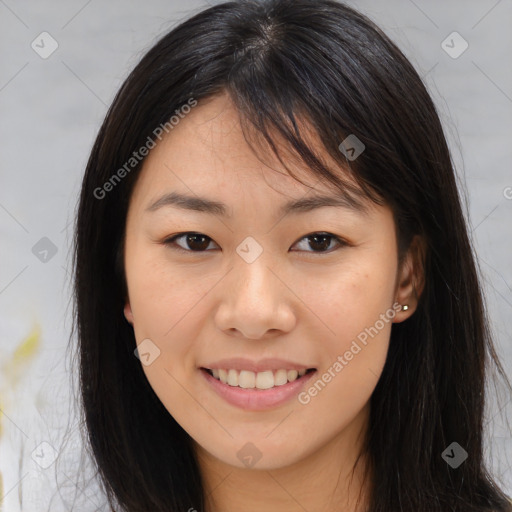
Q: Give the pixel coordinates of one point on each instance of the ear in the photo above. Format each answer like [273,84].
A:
[411,279]
[128,313]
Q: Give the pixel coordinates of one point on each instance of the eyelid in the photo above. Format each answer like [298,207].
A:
[340,241]
[170,241]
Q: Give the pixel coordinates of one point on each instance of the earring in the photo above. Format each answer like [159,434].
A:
[405,307]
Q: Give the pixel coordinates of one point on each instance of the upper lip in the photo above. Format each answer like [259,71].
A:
[240,363]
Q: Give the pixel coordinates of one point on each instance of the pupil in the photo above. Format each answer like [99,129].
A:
[323,245]
[202,246]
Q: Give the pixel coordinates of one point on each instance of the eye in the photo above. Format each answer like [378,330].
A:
[196,242]
[320,242]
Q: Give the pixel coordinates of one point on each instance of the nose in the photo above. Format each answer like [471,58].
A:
[256,302]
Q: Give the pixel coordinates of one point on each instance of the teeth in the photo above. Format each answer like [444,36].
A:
[265,380]
[260,380]
[292,375]
[223,376]
[232,377]
[280,377]
[246,379]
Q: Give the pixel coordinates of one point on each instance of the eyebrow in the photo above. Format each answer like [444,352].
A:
[306,204]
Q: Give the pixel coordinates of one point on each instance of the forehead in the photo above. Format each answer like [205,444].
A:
[207,153]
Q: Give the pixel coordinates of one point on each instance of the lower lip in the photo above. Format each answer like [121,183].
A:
[257,399]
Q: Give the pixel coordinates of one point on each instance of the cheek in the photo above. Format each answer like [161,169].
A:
[160,294]
[355,309]
[356,339]
[164,306]
[358,317]
[351,298]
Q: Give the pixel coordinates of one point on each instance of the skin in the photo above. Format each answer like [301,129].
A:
[293,302]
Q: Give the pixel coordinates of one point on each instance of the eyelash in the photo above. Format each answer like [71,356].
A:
[170,242]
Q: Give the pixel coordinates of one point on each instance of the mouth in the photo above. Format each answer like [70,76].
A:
[249,380]
[257,391]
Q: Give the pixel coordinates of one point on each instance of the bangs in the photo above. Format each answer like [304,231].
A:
[295,137]
[282,107]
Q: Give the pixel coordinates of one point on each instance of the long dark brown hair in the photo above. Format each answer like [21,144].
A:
[282,61]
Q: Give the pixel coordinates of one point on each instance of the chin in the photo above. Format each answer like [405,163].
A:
[257,455]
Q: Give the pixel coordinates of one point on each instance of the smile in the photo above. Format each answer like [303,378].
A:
[256,380]
[264,390]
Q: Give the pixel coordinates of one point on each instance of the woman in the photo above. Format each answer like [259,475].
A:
[277,304]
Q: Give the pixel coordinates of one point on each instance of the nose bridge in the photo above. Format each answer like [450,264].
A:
[254,300]
[253,277]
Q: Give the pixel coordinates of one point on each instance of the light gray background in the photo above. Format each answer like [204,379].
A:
[51,110]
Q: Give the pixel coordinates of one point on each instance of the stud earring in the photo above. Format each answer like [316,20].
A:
[405,307]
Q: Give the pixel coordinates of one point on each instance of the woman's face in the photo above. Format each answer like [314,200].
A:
[259,295]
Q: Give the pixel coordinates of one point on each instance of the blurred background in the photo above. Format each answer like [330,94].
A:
[61,65]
